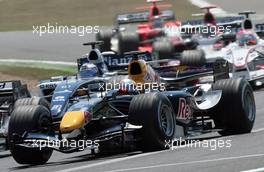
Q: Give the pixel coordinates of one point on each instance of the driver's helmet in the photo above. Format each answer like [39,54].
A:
[81,92]
[88,70]
[246,38]
[157,22]
[127,86]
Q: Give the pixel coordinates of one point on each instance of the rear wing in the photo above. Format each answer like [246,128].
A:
[121,62]
[116,62]
[216,70]
[6,87]
[142,17]
[221,21]
[7,96]
[10,91]
[15,86]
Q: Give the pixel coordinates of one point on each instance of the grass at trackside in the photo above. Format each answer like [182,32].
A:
[23,14]
[32,73]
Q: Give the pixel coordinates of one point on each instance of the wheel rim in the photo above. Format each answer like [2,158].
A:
[249,105]
[44,125]
[166,120]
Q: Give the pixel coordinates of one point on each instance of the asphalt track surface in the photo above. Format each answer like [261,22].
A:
[246,152]
[54,47]
[68,47]
[236,6]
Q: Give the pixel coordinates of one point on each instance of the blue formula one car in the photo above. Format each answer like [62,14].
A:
[128,115]
[91,65]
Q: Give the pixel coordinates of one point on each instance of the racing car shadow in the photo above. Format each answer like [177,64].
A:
[91,158]
[78,159]
[259,90]
[5,155]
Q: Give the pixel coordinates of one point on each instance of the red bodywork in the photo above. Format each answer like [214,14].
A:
[260,66]
[147,32]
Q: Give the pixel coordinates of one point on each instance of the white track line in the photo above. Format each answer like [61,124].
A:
[255,170]
[154,166]
[38,61]
[158,166]
[258,130]
[187,163]
[110,161]
[202,3]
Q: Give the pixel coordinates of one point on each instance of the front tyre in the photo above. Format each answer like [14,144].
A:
[29,118]
[155,113]
[236,111]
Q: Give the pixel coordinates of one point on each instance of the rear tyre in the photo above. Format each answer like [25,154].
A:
[155,113]
[236,110]
[193,58]
[104,35]
[128,41]
[164,49]
[32,101]
[29,118]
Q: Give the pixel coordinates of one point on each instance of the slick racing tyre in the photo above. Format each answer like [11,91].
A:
[163,49]
[29,118]
[236,111]
[128,41]
[193,58]
[154,112]
[32,101]
[104,35]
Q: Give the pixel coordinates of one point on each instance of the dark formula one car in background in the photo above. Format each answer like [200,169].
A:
[157,32]
[127,117]
[109,64]
[10,92]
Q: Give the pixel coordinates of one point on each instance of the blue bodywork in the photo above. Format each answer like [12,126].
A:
[60,99]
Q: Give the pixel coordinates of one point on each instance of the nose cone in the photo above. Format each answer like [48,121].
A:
[71,121]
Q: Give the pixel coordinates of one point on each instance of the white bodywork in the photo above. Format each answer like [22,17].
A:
[242,58]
